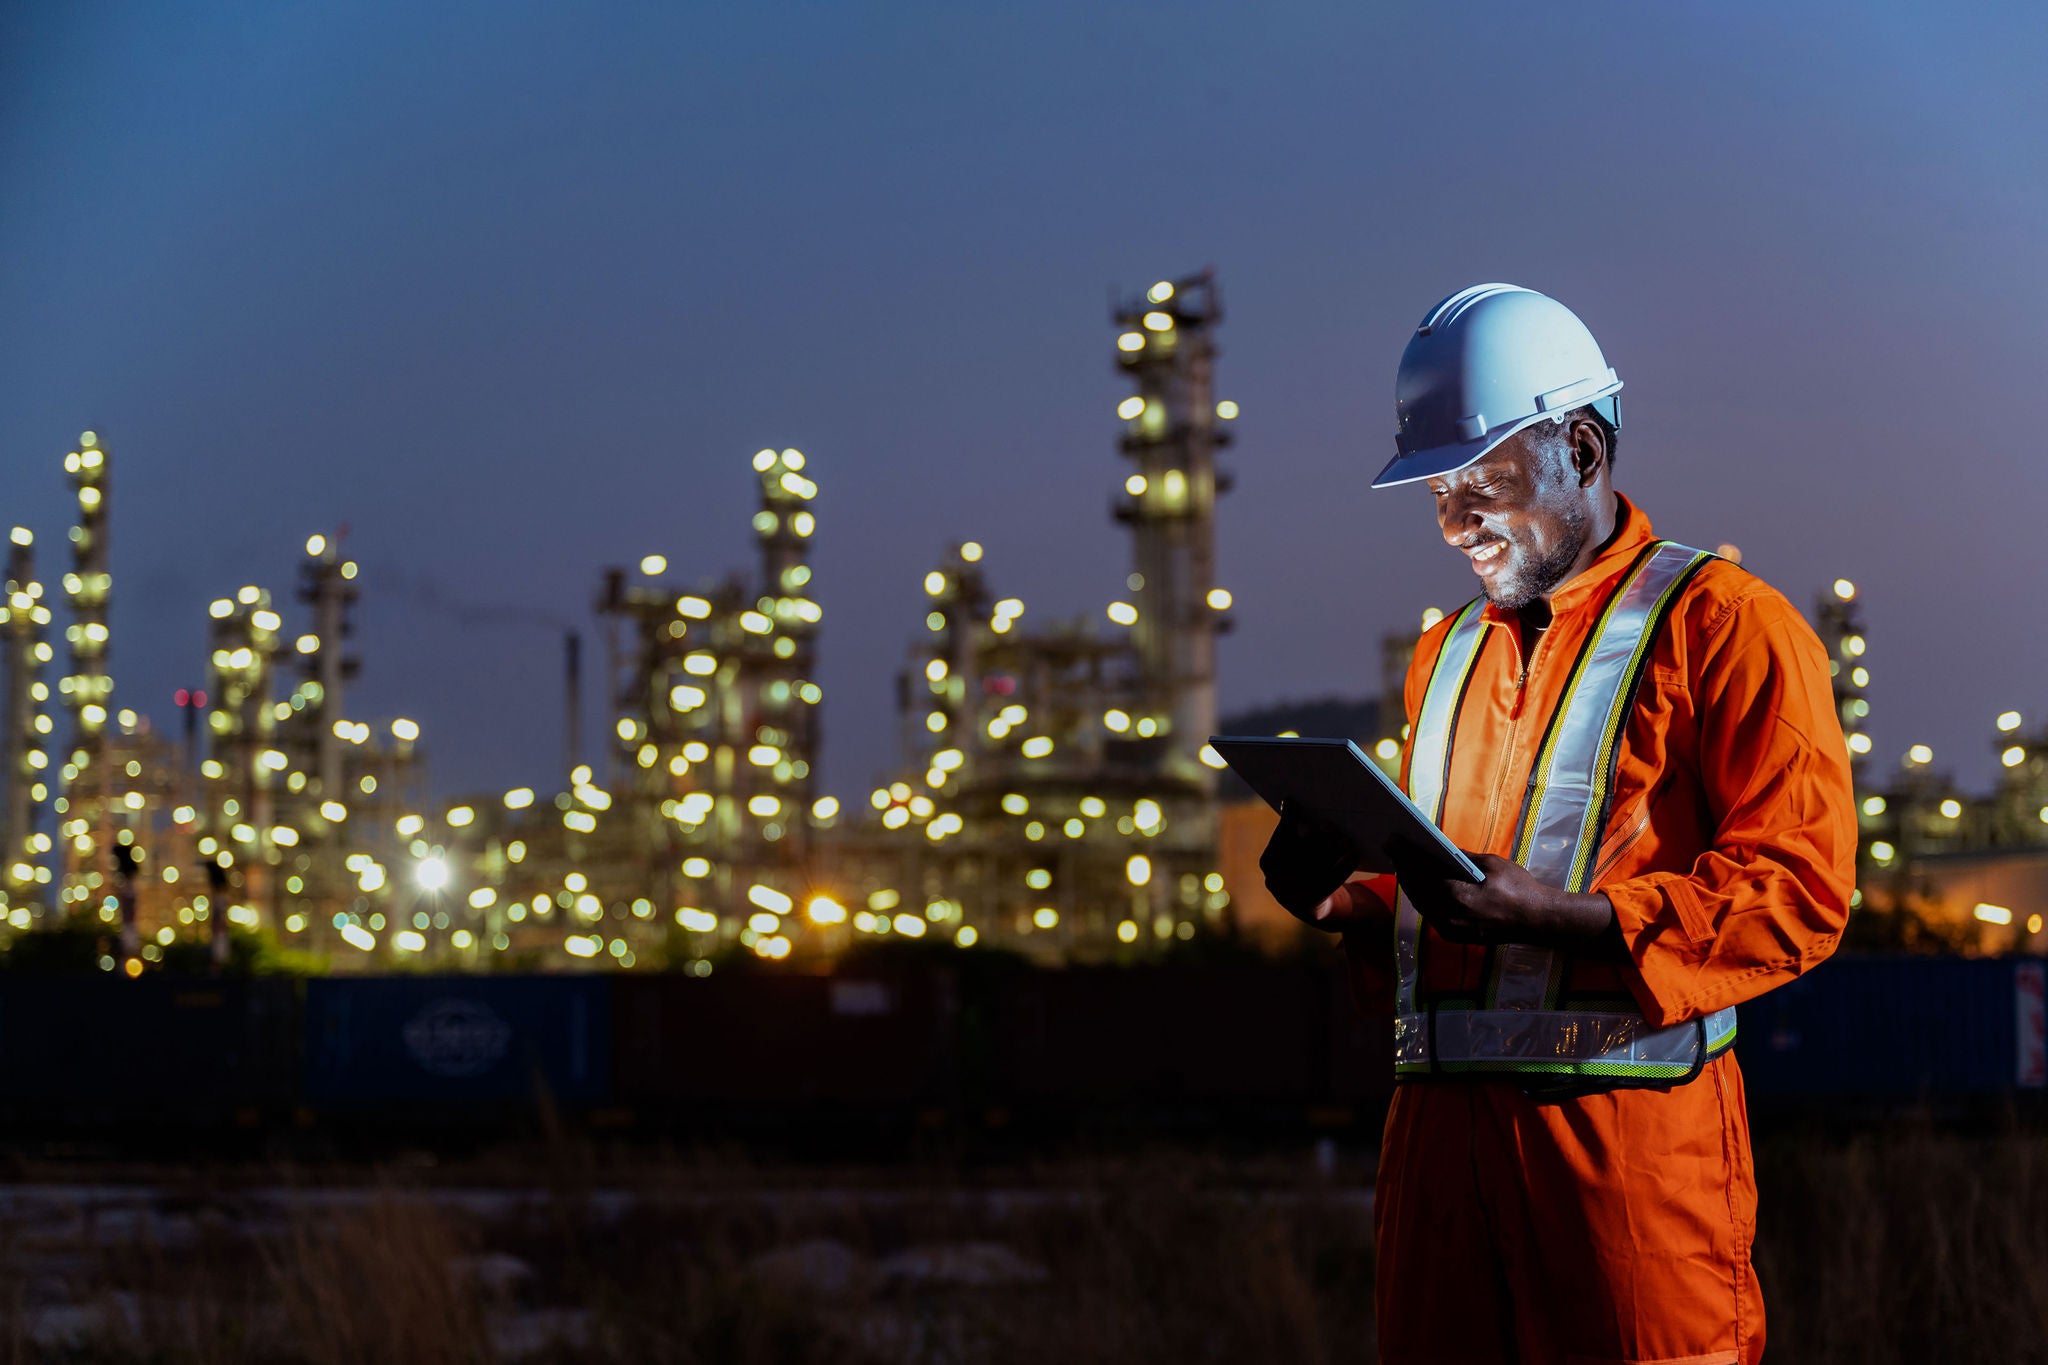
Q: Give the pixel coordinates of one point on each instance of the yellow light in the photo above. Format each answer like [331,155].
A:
[1136,485]
[1919,753]
[334,811]
[653,564]
[910,926]
[825,910]
[1130,407]
[410,941]
[935,671]
[686,698]
[825,808]
[1951,808]
[2013,757]
[1844,589]
[763,460]
[1852,645]
[1009,606]
[1045,917]
[1015,804]
[1873,805]
[1123,613]
[803,523]
[2008,722]
[1127,931]
[1992,914]
[580,946]
[1158,322]
[1859,743]
[965,936]
[696,608]
[1117,720]
[1138,870]
[1074,828]
[265,620]
[1882,851]
[769,899]
[764,806]
[695,920]
[1210,757]
[357,937]
[971,551]
[284,835]
[1146,814]
[763,923]
[884,900]
[483,898]
[1038,746]
[764,755]
[1160,292]
[1219,598]
[405,729]
[1227,410]
[1131,341]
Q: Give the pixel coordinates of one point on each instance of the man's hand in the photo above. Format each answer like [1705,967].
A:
[1510,906]
[1304,863]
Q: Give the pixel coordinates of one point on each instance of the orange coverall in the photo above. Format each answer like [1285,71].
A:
[1616,1227]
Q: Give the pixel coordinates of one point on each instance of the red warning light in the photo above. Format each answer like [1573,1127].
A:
[178,698]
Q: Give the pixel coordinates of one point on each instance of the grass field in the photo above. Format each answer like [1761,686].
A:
[1906,1245]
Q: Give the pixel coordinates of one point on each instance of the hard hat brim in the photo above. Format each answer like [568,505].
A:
[1438,460]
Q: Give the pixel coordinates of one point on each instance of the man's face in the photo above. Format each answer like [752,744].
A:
[1520,515]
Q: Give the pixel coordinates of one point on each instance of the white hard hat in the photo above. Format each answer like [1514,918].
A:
[1485,363]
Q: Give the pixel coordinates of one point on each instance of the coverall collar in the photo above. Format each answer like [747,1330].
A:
[1631,533]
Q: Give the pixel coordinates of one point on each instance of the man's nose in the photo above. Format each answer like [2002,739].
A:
[1457,517]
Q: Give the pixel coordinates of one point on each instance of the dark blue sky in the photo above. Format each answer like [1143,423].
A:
[515,290]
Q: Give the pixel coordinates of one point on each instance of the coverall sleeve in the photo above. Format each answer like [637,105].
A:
[1770,896]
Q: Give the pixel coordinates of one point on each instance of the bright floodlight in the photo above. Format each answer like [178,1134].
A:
[431,874]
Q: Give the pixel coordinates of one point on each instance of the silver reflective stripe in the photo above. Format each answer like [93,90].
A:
[1557,838]
[1559,830]
[1591,1043]
[1428,761]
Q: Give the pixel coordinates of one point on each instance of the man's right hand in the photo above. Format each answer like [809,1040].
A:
[1304,863]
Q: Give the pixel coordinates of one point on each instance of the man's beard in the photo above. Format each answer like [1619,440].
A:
[1522,581]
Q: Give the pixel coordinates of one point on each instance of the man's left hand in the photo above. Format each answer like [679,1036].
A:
[1510,906]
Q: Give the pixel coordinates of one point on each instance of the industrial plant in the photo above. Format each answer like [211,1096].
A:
[1056,795]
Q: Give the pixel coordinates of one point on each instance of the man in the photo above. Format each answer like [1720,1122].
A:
[1637,743]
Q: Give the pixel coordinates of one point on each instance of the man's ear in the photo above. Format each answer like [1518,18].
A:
[1589,450]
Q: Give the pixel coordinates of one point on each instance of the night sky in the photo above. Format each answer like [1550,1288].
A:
[516,290]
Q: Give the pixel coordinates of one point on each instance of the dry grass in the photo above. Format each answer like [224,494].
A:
[1905,1247]
[1911,1245]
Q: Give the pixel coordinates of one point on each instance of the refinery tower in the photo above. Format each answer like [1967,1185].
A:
[1058,793]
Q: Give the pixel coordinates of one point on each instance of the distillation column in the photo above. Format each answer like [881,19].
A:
[87,799]
[24,729]
[1171,434]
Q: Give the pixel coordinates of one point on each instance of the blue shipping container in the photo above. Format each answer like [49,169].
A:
[1897,1028]
[457,1040]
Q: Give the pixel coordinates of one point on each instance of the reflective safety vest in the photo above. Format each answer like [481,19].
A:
[1516,1028]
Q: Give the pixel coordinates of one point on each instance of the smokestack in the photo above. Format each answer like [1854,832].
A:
[572,726]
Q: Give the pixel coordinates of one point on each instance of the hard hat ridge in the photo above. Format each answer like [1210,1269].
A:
[1484,363]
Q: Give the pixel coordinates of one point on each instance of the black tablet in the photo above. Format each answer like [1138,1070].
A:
[1333,781]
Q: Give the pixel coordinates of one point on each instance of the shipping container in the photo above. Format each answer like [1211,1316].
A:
[738,1045]
[457,1046]
[90,1051]
[1901,1029]
[1183,1045]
